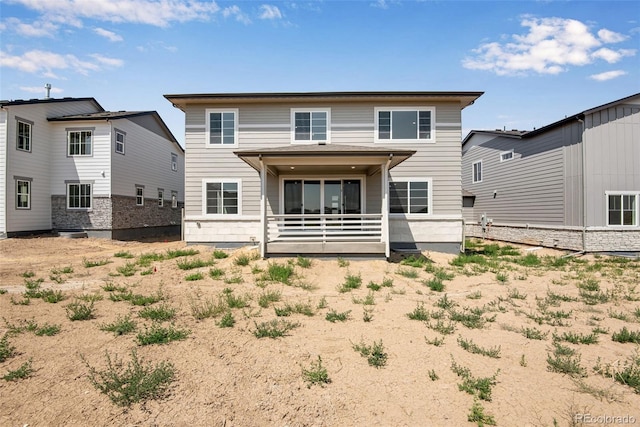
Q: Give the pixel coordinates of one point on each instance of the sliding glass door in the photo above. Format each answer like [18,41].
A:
[335,196]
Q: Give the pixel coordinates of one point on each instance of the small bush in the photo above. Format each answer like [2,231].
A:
[123,254]
[52,296]
[375,354]
[234,301]
[144,300]
[216,273]
[24,371]
[374,286]
[434,284]
[566,364]
[145,260]
[203,309]
[368,300]
[136,382]
[575,338]
[478,416]
[479,387]
[193,277]
[171,254]
[282,273]
[409,273]
[350,282]
[274,329]
[534,333]
[267,298]
[127,270]
[227,321]
[624,335]
[95,263]
[413,261]
[316,374]
[303,262]
[343,262]
[194,263]
[218,254]
[471,347]
[80,310]
[46,330]
[419,313]
[6,349]
[627,373]
[333,316]
[158,334]
[122,326]
[161,313]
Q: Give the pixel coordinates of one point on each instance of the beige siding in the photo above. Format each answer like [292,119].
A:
[612,139]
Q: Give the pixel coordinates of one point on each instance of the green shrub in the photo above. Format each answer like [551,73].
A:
[409,273]
[122,326]
[478,416]
[333,316]
[24,371]
[193,263]
[171,254]
[158,334]
[80,310]
[136,382]
[434,284]
[282,273]
[419,313]
[193,277]
[216,273]
[471,347]
[416,261]
[303,262]
[274,329]
[375,354]
[127,270]
[160,313]
[52,296]
[350,282]
[218,254]
[479,387]
[624,335]
[145,260]
[6,349]
[227,321]
[316,374]
[123,254]
[267,298]
[95,263]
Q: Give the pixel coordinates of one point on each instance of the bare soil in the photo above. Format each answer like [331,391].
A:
[228,377]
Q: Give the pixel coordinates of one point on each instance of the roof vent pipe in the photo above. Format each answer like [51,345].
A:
[48,88]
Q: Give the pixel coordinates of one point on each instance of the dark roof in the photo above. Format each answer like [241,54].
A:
[101,115]
[4,103]
[465,98]
[528,134]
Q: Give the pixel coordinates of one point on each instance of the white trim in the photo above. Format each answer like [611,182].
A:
[473,172]
[28,181]
[429,181]
[214,218]
[174,163]
[206,181]
[207,129]
[264,126]
[353,125]
[160,198]
[502,159]
[30,136]
[637,209]
[80,130]
[431,140]
[140,187]
[90,196]
[124,138]
[311,140]
[322,178]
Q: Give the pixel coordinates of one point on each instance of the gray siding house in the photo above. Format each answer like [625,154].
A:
[574,184]
[324,172]
[69,165]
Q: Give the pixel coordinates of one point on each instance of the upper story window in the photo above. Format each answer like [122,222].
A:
[477,171]
[411,196]
[622,209]
[120,136]
[310,125]
[405,124]
[23,135]
[506,155]
[222,128]
[79,142]
[174,162]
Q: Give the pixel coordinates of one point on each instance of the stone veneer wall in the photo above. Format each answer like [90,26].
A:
[99,217]
[596,239]
[127,215]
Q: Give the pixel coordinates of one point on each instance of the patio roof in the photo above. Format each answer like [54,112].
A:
[325,158]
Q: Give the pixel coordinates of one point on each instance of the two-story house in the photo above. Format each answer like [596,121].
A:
[324,172]
[69,165]
[573,184]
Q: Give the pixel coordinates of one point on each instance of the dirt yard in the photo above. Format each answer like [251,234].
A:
[512,338]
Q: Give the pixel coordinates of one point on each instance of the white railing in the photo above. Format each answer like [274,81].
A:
[325,228]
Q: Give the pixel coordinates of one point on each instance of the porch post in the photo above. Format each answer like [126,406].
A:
[263,208]
[385,207]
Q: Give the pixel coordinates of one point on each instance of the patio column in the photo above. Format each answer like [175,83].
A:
[384,169]
[263,208]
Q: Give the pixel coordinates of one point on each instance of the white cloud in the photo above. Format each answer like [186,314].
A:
[380,4]
[270,12]
[48,63]
[607,75]
[550,46]
[34,29]
[152,12]
[109,35]
[237,13]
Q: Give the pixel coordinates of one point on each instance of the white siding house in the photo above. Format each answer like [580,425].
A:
[68,165]
[573,184]
[324,172]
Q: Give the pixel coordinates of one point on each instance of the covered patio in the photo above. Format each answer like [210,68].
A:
[324,199]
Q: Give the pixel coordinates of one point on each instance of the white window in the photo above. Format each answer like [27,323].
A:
[221,197]
[506,155]
[222,128]
[120,136]
[23,135]
[160,198]
[411,196]
[174,162]
[622,208]
[139,195]
[174,199]
[23,193]
[405,124]
[310,125]
[79,143]
[79,196]
[477,171]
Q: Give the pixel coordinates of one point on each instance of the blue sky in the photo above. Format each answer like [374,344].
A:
[536,61]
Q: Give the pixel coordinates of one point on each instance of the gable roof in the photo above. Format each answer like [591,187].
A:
[8,103]
[181,100]
[528,134]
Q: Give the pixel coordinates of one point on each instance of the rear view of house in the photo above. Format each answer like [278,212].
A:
[574,184]
[68,165]
[327,172]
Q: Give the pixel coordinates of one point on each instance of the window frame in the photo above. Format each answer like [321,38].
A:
[174,200]
[223,181]
[21,121]
[139,195]
[18,194]
[90,144]
[160,198]
[236,115]
[90,195]
[427,180]
[124,138]
[174,162]
[417,140]
[635,211]
[326,140]
[474,173]
[502,154]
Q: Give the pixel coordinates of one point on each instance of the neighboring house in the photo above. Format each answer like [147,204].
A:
[574,184]
[68,165]
[327,172]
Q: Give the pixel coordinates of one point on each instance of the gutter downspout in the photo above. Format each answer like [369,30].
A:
[263,208]
[584,184]
[385,207]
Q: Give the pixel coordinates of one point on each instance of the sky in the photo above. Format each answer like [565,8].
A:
[536,61]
